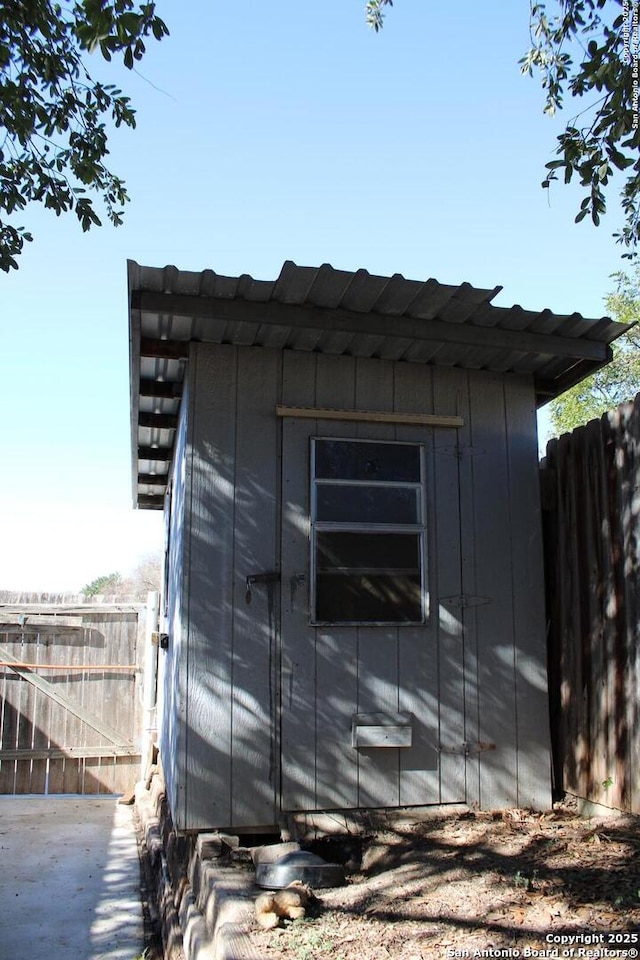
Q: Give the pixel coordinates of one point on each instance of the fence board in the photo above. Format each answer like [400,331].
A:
[591,481]
[9,729]
[40,741]
[70,716]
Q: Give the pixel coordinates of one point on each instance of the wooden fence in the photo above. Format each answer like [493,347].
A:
[70,705]
[591,501]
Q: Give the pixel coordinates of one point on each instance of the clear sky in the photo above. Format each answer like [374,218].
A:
[271,132]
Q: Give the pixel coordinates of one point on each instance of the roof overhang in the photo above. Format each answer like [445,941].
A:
[336,312]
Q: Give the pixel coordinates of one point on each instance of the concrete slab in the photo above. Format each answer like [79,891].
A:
[69,879]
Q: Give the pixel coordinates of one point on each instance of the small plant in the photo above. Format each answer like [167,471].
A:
[524,880]
[607,783]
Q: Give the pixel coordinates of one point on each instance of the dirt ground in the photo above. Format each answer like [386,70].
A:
[509,884]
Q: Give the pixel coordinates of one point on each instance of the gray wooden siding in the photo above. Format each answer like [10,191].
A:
[506,569]
[447,581]
[230,708]
[474,672]
[532,708]
[171,675]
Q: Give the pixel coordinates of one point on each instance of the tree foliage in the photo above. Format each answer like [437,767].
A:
[107,584]
[53,134]
[616,383]
[588,49]
[145,577]
[374,13]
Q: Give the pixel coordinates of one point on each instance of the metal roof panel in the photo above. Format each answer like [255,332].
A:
[337,312]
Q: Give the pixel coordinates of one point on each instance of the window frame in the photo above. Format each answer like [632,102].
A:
[418,528]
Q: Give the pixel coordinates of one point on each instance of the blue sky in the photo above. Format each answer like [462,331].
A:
[272,132]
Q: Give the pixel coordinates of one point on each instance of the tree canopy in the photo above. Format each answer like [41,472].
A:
[53,140]
[616,383]
[588,49]
[145,577]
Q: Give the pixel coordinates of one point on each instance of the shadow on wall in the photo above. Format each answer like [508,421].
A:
[269,705]
[265,703]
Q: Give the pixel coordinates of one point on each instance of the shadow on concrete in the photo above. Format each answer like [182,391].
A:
[70,879]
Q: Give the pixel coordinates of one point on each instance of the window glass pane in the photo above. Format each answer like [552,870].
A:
[386,598]
[362,504]
[353,460]
[365,552]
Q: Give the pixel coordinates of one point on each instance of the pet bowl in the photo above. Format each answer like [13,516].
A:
[299,865]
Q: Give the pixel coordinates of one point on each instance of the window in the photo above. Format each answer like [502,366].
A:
[367,539]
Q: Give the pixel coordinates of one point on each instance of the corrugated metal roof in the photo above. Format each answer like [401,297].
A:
[338,312]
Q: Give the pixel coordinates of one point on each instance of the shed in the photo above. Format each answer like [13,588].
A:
[353,610]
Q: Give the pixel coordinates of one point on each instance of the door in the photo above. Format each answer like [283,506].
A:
[372,669]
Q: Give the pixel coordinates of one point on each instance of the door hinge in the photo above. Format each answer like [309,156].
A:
[465,600]
[469,748]
[296,581]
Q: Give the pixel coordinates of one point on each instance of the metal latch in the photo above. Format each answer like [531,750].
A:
[271,576]
[296,581]
[160,640]
[464,600]
[461,450]
[469,748]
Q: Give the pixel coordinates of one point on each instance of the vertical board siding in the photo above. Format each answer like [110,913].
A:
[207,659]
[256,624]
[301,709]
[231,659]
[493,562]
[31,721]
[171,681]
[269,698]
[425,684]
[456,639]
[9,717]
[40,738]
[371,669]
[592,528]
[531,684]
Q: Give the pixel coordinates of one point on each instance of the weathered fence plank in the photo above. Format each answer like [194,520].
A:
[70,714]
[48,689]
[591,484]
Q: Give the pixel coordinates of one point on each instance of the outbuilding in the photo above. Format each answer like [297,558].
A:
[353,612]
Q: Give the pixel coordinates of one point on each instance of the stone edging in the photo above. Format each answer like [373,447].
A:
[204,908]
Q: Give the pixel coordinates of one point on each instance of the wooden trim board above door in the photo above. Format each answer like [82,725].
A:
[368,416]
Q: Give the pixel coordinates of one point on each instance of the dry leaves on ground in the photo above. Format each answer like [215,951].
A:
[450,886]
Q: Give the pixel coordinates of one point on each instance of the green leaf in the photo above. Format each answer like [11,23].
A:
[601,136]
[615,383]
[46,92]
